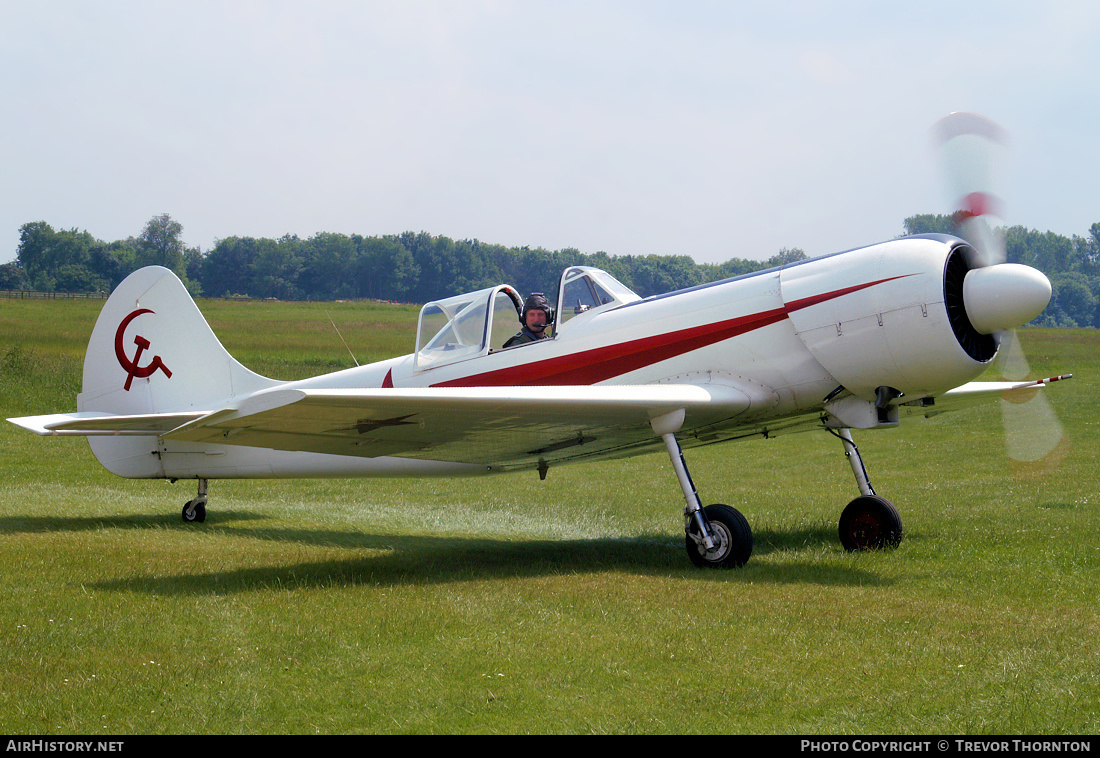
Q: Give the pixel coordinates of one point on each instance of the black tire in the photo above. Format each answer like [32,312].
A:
[870,522]
[197,515]
[734,539]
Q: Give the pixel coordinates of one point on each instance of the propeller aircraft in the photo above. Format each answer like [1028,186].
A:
[854,340]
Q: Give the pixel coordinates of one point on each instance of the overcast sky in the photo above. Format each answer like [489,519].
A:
[711,129]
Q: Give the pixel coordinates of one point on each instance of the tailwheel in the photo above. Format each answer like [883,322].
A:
[732,538]
[870,522]
[194,511]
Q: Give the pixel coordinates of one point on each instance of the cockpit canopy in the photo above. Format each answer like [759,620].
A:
[467,326]
[583,290]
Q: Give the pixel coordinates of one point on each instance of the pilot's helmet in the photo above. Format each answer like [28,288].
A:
[537,301]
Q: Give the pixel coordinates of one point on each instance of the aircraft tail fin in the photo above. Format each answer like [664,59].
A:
[152,352]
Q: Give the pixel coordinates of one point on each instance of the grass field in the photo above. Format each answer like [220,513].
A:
[510,605]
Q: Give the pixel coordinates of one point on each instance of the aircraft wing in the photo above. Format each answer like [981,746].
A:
[976,393]
[504,427]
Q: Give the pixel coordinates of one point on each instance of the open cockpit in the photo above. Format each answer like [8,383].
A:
[478,323]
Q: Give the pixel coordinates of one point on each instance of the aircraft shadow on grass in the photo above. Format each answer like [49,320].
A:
[430,559]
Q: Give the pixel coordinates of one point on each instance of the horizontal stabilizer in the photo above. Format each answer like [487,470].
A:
[93,423]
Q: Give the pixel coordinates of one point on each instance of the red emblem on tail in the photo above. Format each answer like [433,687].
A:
[132,367]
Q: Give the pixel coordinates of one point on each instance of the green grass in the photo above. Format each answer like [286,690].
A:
[510,605]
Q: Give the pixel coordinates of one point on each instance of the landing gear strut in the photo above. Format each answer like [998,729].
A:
[194,511]
[870,522]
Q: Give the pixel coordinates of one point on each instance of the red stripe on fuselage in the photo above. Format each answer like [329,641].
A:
[806,302]
[601,363]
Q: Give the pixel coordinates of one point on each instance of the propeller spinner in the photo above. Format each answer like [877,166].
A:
[1004,296]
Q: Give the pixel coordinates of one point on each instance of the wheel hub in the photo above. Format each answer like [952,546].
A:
[865,530]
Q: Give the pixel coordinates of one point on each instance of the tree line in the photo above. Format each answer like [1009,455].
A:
[418,267]
[408,267]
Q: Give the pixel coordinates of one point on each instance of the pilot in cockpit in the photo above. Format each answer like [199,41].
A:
[537,316]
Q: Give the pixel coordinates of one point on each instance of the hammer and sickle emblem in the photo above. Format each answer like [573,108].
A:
[132,367]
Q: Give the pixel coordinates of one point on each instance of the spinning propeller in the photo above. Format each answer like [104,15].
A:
[998,295]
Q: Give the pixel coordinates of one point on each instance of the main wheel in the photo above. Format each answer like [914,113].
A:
[733,535]
[870,522]
[196,514]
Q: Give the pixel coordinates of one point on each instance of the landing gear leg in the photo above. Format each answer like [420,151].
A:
[717,536]
[852,453]
[194,511]
[869,522]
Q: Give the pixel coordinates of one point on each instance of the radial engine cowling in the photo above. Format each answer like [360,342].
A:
[914,315]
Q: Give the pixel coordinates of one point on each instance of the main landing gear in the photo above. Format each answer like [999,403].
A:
[717,536]
[869,522]
[194,511]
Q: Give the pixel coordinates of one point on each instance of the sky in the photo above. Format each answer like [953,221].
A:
[709,129]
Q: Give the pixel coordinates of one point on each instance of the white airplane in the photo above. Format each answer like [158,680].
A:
[854,340]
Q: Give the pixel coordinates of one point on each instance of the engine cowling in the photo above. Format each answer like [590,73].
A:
[925,318]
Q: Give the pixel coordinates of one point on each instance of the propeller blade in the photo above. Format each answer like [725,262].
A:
[1035,438]
[974,151]
[999,296]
